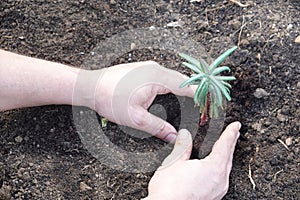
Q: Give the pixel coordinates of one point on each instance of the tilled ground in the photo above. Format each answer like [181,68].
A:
[42,156]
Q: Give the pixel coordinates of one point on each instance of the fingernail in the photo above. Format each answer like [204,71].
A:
[183,134]
[171,137]
[238,125]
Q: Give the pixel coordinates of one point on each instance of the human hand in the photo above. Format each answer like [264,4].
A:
[181,178]
[123,93]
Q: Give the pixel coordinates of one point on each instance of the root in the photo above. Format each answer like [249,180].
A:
[239,3]
[250,175]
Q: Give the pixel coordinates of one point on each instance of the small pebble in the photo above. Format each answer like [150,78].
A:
[289,27]
[174,24]
[84,186]
[259,93]
[285,110]
[26,175]
[18,139]
[267,122]
[297,40]
[281,117]
[152,28]
[256,126]
[132,46]
[20,172]
[47,183]
[288,141]
[244,42]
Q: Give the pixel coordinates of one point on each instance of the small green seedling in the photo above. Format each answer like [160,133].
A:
[103,122]
[211,86]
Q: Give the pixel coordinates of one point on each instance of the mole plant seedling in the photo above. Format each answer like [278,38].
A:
[211,86]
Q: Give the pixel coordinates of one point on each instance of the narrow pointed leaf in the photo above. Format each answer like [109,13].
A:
[190,59]
[191,80]
[218,70]
[212,92]
[226,84]
[219,98]
[215,111]
[221,87]
[199,88]
[204,66]
[225,78]
[221,58]
[211,113]
[202,96]
[203,93]
[192,67]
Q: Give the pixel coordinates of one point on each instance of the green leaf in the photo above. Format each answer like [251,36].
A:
[221,87]
[218,70]
[192,67]
[221,58]
[202,97]
[226,84]
[215,111]
[218,93]
[103,122]
[204,65]
[198,90]
[203,93]
[191,80]
[190,59]
[225,78]
[215,95]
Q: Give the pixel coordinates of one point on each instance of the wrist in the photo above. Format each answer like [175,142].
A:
[86,88]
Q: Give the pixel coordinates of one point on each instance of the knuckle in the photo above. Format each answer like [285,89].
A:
[138,118]
[161,128]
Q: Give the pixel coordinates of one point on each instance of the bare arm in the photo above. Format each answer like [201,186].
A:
[26,82]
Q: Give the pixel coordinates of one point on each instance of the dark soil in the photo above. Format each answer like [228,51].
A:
[42,156]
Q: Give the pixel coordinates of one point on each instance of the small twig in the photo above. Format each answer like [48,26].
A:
[241,30]
[285,146]
[239,3]
[269,40]
[270,69]
[275,175]
[217,8]
[250,175]
[206,17]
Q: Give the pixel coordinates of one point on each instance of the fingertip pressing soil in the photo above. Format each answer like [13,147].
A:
[41,153]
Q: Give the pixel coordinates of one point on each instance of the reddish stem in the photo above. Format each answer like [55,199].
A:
[204,115]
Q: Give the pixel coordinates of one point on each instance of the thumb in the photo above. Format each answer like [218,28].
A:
[182,148]
[146,121]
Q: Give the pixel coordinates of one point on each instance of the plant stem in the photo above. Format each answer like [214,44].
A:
[204,115]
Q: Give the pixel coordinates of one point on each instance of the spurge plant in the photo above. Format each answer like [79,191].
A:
[211,85]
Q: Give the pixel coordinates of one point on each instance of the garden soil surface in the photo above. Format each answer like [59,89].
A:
[41,153]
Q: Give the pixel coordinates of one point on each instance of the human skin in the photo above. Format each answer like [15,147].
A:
[27,82]
[205,179]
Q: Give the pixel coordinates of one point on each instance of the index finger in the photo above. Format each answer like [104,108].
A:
[222,151]
[172,81]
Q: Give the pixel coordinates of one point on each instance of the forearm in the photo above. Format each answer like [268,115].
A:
[26,82]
